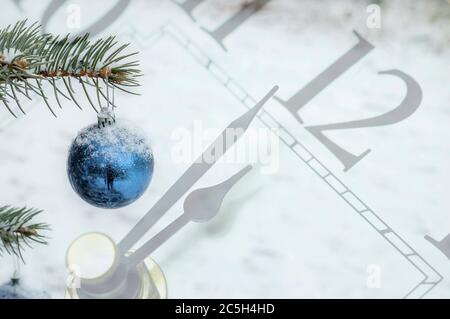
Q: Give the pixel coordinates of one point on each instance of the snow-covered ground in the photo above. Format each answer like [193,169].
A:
[285,234]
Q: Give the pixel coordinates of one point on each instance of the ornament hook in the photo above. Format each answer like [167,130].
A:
[106,115]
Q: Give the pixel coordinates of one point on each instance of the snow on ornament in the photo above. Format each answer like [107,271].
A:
[110,165]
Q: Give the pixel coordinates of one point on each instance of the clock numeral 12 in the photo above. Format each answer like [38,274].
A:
[407,107]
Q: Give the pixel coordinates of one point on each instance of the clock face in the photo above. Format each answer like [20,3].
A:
[347,197]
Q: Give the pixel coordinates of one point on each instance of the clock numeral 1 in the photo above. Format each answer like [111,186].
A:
[220,33]
[189,5]
[224,30]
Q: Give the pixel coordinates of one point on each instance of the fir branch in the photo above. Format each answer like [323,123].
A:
[28,58]
[17,229]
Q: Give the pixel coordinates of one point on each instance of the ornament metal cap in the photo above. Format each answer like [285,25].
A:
[106,117]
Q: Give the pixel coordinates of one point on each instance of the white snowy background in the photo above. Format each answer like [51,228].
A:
[281,235]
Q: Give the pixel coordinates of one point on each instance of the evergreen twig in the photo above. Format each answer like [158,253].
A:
[28,58]
[17,229]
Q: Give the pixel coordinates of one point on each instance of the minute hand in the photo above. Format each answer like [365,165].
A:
[191,176]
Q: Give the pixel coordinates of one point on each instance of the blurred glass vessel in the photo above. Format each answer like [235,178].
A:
[153,283]
[92,257]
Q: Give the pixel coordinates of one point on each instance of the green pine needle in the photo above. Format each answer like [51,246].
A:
[28,58]
[17,229]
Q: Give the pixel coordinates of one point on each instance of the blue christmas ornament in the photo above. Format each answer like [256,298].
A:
[110,166]
[15,290]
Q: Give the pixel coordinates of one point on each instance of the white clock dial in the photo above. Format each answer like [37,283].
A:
[350,169]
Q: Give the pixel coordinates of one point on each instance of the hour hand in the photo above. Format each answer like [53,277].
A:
[200,206]
[191,176]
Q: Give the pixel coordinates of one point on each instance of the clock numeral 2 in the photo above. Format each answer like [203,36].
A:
[189,5]
[407,107]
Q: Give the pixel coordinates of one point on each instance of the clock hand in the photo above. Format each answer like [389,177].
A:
[191,176]
[122,278]
[200,206]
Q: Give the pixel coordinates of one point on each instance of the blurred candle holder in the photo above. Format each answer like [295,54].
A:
[92,258]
